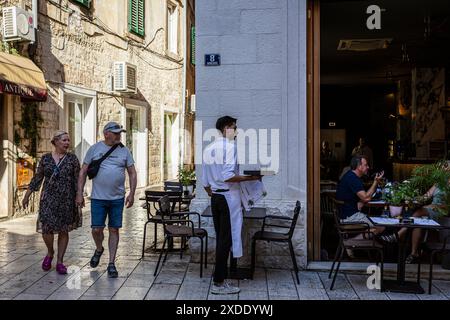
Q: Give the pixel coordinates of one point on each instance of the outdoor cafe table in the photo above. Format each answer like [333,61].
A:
[400,285]
[185,198]
[235,272]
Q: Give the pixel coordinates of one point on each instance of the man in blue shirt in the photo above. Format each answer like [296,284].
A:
[351,191]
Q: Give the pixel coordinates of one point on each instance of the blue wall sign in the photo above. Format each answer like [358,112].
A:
[212,59]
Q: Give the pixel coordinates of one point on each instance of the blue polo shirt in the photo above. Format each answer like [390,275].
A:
[347,190]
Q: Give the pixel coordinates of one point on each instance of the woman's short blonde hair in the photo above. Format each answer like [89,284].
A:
[57,135]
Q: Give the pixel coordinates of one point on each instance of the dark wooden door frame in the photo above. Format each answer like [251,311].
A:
[313,131]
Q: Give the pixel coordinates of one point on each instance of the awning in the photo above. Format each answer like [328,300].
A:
[20,76]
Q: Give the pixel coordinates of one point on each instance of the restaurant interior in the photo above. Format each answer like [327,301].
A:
[389,86]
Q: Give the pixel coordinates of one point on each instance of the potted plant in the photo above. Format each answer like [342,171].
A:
[186,177]
[399,195]
[393,197]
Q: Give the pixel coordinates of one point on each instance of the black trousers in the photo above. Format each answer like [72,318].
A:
[222,226]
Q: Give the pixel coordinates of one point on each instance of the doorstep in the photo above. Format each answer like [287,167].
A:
[390,269]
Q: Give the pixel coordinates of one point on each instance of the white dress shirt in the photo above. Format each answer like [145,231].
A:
[220,164]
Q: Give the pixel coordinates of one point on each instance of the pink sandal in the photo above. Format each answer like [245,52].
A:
[61,268]
[47,263]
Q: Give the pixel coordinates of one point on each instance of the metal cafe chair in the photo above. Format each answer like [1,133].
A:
[173,186]
[177,186]
[285,237]
[153,212]
[347,231]
[181,228]
[326,207]
[442,246]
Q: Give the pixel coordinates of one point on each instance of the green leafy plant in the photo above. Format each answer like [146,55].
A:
[399,194]
[424,177]
[186,176]
[31,119]
[8,48]
[411,192]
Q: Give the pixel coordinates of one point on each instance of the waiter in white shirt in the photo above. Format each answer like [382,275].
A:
[221,180]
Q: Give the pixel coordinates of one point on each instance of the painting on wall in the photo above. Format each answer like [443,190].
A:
[428,96]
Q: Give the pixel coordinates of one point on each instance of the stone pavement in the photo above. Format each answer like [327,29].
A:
[21,276]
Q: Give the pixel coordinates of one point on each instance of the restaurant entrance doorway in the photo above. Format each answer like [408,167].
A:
[386,85]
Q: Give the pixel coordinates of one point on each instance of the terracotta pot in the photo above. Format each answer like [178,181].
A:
[395,210]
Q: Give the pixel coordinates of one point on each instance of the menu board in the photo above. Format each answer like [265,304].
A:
[24,172]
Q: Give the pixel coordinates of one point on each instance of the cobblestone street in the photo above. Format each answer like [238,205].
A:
[21,276]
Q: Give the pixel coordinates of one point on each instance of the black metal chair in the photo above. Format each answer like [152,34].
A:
[278,236]
[151,204]
[181,228]
[177,186]
[173,186]
[347,232]
[439,247]
[326,207]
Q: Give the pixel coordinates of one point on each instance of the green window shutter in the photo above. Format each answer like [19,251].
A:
[136,19]
[86,3]
[193,45]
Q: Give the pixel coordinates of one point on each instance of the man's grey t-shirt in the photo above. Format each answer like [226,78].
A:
[109,184]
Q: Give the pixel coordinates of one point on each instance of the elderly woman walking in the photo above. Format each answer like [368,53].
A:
[58,213]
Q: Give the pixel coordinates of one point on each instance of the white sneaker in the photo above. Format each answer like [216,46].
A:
[225,288]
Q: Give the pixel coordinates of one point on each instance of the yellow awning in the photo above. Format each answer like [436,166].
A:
[20,76]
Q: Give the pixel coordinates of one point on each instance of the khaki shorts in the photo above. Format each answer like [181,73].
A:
[358,217]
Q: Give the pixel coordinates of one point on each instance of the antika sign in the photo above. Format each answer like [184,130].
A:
[23,91]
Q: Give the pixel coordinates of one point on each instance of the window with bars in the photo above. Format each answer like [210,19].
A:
[136,17]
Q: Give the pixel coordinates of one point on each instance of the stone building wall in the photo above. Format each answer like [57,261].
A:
[262,82]
[77,46]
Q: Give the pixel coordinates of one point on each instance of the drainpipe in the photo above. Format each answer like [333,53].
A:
[35,9]
[183,110]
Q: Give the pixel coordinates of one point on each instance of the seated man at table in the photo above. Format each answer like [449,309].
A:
[351,191]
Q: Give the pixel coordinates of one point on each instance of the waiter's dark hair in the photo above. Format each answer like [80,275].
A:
[223,122]
[356,161]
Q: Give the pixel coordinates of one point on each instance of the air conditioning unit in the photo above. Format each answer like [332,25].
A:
[18,25]
[193,103]
[124,75]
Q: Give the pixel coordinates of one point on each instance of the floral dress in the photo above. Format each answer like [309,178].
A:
[57,208]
